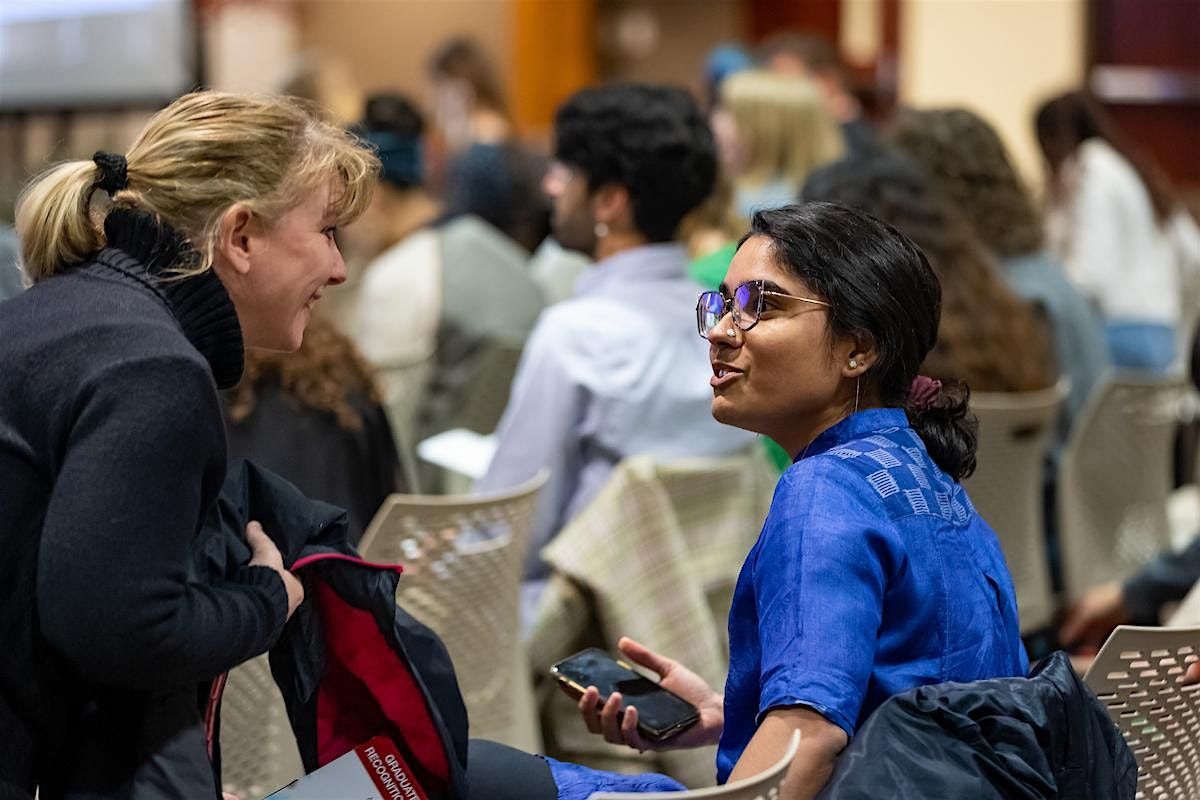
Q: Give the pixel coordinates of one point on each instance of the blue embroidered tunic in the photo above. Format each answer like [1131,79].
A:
[873,574]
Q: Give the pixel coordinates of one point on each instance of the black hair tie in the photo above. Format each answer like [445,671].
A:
[114,171]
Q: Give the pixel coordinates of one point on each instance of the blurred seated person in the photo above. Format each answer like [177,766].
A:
[1118,227]
[616,370]
[968,162]
[771,130]
[989,337]
[813,57]
[1139,600]
[395,227]
[314,417]
[468,102]
[501,184]
[450,287]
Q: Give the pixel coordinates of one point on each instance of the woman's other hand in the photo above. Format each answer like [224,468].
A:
[621,728]
[264,553]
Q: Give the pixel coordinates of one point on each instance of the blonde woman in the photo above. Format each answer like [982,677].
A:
[151,272]
[771,130]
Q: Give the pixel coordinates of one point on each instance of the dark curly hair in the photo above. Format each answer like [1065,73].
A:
[652,140]
[988,336]
[323,375]
[965,157]
[878,283]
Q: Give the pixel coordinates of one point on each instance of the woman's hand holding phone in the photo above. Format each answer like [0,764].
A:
[622,728]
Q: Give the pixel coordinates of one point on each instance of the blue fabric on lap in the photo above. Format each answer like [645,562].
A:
[577,782]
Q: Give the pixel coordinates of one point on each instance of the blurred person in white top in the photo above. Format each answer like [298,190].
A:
[1124,239]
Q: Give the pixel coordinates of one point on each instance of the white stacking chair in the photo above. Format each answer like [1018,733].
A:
[1136,675]
[1015,429]
[258,749]
[462,559]
[403,386]
[1114,480]
[765,786]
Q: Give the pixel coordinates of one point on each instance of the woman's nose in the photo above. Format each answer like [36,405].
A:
[338,275]
[724,333]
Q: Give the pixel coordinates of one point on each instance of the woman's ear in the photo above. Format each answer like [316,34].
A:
[860,354]
[236,237]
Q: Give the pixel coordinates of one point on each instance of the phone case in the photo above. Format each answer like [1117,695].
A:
[652,733]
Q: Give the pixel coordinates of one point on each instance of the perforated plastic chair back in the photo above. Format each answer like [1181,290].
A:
[1014,431]
[765,786]
[1114,480]
[258,749]
[462,559]
[1136,676]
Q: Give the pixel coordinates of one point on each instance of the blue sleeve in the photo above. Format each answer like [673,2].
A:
[820,572]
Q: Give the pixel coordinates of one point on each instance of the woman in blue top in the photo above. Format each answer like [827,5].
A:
[873,573]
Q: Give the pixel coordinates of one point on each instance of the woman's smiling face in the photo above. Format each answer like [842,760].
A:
[785,377]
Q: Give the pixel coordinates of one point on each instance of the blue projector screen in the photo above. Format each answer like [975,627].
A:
[67,54]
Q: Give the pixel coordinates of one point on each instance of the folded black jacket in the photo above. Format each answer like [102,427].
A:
[1046,736]
[349,649]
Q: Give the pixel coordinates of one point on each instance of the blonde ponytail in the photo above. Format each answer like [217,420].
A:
[194,159]
[53,221]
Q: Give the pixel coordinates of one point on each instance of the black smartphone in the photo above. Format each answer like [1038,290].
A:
[661,714]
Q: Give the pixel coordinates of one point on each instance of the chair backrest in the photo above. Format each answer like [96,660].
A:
[658,552]
[485,403]
[1136,676]
[1114,480]
[258,749]
[403,387]
[713,519]
[764,786]
[1014,432]
[462,559]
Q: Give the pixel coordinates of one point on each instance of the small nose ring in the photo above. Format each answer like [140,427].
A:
[731,332]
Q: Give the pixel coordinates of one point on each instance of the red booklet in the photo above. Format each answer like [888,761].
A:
[374,770]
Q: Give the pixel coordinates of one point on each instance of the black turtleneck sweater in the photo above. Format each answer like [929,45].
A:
[111,448]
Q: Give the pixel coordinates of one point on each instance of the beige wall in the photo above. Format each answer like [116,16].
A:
[385,44]
[999,57]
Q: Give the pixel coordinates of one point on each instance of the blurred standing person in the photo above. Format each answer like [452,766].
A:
[772,131]
[615,371]
[988,337]
[151,272]
[314,417]
[814,57]
[469,105]
[966,159]
[1119,230]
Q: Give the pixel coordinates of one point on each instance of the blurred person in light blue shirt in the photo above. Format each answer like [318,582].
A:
[617,370]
